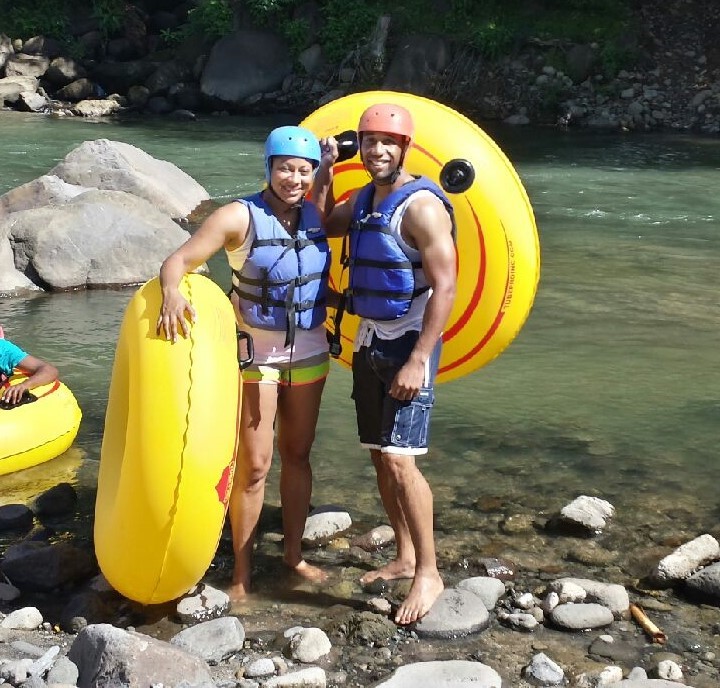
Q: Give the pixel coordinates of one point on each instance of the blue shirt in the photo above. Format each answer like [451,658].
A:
[10,356]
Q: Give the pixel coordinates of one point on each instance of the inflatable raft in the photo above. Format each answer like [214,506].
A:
[497,243]
[34,432]
[168,449]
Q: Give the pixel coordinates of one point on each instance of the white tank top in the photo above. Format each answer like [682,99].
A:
[412,320]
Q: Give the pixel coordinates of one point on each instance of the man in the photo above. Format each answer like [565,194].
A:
[402,283]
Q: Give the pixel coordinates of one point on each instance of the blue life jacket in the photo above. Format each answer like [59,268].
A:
[283,282]
[382,282]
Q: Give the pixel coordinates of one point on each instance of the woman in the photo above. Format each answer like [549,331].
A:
[280,259]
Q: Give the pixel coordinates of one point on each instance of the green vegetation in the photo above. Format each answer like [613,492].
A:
[492,28]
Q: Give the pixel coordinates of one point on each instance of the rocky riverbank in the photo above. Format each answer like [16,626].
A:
[670,82]
[547,621]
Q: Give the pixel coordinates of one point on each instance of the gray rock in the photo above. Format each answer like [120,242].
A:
[308,645]
[42,664]
[15,517]
[59,499]
[585,513]
[262,57]
[311,677]
[98,238]
[611,595]
[443,674]
[325,523]
[489,590]
[260,668]
[455,613]
[706,584]
[45,190]
[376,539]
[64,671]
[648,683]
[118,166]
[39,566]
[686,559]
[576,617]
[202,603]
[28,618]
[108,657]
[212,640]
[543,671]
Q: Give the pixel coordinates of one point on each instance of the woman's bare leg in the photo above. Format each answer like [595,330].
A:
[255,451]
[298,409]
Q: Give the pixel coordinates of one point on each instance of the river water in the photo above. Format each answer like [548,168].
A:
[612,388]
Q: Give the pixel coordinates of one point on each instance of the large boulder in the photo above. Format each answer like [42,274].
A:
[109,657]
[99,238]
[417,60]
[105,164]
[44,190]
[245,63]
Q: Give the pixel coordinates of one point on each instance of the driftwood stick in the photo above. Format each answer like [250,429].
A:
[648,626]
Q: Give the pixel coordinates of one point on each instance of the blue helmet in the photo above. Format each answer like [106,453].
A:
[294,141]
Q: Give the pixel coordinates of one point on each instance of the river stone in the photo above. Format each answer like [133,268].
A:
[611,595]
[15,517]
[443,674]
[212,640]
[202,604]
[686,559]
[543,671]
[325,523]
[706,583]
[98,238]
[576,617]
[117,166]
[109,657]
[648,683]
[489,590]
[45,190]
[312,677]
[455,613]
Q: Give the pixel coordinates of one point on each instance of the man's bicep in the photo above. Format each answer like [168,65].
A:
[337,222]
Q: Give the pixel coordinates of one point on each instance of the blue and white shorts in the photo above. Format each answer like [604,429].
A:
[386,423]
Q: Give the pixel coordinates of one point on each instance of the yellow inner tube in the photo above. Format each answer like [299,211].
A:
[168,450]
[498,254]
[39,431]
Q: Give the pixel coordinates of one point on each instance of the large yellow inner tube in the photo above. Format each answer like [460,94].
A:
[168,450]
[498,255]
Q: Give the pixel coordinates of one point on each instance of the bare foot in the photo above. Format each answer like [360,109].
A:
[237,592]
[394,570]
[423,593]
[309,572]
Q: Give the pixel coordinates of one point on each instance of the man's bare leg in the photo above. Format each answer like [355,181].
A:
[403,565]
[251,469]
[416,502]
[298,409]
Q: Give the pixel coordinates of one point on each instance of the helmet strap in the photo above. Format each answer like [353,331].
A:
[393,176]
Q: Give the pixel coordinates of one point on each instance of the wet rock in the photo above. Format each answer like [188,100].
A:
[366,628]
[376,539]
[212,640]
[706,584]
[611,595]
[312,677]
[325,523]
[39,566]
[519,621]
[443,673]
[488,589]
[685,560]
[58,500]
[43,663]
[15,517]
[202,604]
[598,679]
[543,671]
[455,613]
[615,651]
[502,569]
[308,645]
[577,617]
[583,516]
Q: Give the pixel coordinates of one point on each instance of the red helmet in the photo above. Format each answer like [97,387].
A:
[388,118]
